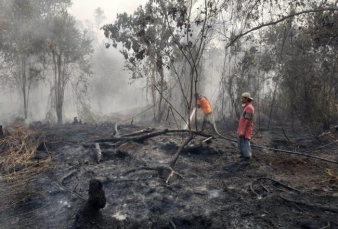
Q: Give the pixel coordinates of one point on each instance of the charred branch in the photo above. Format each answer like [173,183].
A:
[278,21]
[178,152]
[281,184]
[315,206]
[103,145]
[148,130]
[137,138]
[295,153]
[116,133]
[98,152]
[164,172]
[190,131]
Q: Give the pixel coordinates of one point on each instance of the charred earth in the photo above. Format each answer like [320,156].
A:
[83,176]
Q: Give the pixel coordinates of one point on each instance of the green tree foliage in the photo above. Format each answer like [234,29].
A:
[145,34]
[159,34]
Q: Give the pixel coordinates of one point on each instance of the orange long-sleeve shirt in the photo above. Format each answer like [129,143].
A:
[205,105]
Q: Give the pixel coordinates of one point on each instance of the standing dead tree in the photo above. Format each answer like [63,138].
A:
[165,34]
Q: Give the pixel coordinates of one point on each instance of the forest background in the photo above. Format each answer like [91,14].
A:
[147,65]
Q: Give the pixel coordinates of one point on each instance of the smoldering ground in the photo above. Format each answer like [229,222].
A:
[212,186]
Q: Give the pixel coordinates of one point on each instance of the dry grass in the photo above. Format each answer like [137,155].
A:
[17,164]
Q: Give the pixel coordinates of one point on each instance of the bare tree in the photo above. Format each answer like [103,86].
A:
[22,41]
[69,50]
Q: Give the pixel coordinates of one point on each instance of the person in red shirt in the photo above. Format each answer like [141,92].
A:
[245,125]
[203,103]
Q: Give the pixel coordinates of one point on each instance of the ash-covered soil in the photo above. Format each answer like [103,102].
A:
[212,187]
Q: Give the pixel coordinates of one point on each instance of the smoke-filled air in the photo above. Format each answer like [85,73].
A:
[168,114]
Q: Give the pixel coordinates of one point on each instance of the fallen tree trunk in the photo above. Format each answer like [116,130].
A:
[137,138]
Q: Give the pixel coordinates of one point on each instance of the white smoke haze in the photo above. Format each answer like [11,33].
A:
[110,92]
[109,88]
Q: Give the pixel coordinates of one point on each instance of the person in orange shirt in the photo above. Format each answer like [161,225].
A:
[203,103]
[245,125]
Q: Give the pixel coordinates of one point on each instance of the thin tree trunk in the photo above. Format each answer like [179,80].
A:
[153,94]
[24,82]
[160,109]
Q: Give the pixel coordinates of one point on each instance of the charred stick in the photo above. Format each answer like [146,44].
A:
[98,152]
[106,145]
[178,152]
[148,130]
[253,191]
[74,189]
[284,151]
[159,170]
[113,139]
[327,226]
[63,187]
[190,131]
[320,147]
[150,135]
[296,153]
[207,139]
[299,208]
[318,206]
[144,168]
[116,133]
[265,188]
[68,175]
[138,138]
[281,184]
[172,174]
[172,224]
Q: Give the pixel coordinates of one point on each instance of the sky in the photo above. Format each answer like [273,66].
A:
[84,9]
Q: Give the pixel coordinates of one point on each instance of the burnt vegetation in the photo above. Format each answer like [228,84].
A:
[147,164]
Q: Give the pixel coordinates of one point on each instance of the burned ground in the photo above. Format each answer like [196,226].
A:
[213,187]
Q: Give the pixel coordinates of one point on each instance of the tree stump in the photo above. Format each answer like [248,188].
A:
[91,214]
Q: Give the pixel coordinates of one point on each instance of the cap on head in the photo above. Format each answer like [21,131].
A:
[247,95]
